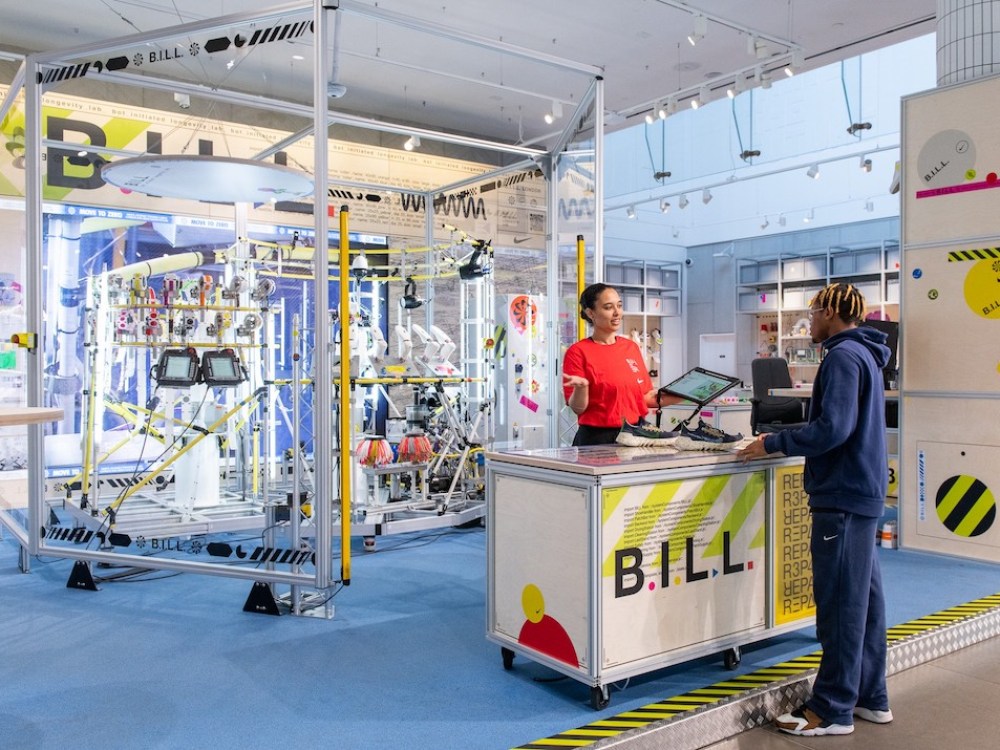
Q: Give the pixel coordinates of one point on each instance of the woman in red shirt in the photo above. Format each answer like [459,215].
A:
[605,379]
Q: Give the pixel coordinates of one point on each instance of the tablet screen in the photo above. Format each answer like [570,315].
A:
[700,385]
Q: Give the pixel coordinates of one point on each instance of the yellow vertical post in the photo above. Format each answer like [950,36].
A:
[581,281]
[345,399]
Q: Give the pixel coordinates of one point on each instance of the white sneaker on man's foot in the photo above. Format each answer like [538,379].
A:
[807,723]
[873,714]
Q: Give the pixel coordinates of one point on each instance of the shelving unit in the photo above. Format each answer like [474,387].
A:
[773,294]
[651,299]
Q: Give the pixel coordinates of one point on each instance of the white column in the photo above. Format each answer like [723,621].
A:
[968,39]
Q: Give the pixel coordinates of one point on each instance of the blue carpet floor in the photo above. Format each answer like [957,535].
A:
[175,662]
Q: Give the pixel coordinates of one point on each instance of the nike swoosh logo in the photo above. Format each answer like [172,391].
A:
[828,538]
[519,240]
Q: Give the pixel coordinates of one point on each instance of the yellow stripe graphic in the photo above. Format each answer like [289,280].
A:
[701,506]
[958,256]
[955,494]
[750,495]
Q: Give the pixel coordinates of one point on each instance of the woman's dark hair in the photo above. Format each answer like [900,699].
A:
[588,300]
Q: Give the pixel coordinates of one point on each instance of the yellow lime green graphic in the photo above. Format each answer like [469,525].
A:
[965,506]
[982,288]
[673,511]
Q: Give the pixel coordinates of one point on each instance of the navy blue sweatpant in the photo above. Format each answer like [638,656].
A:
[850,616]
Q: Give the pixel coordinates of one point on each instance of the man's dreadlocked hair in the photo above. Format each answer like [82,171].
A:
[844,299]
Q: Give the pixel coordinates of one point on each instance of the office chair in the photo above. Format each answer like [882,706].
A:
[773,413]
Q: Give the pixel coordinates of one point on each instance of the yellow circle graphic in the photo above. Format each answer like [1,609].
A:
[982,288]
[970,174]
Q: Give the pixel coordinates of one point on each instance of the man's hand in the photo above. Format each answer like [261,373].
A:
[575,381]
[754,450]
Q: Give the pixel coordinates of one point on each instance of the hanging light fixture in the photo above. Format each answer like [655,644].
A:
[810,215]
[795,64]
[683,201]
[865,164]
[412,142]
[706,196]
[554,113]
[813,171]
[630,212]
[698,31]
[664,205]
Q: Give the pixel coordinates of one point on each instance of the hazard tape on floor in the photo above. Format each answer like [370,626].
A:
[746,701]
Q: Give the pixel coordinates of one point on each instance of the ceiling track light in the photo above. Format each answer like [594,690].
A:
[869,205]
[412,143]
[664,205]
[650,118]
[554,113]
[683,201]
[699,30]
[813,171]
[757,47]
[765,224]
[795,64]
[706,196]
[856,126]
[781,220]
[865,164]
[749,154]
[810,215]
[630,212]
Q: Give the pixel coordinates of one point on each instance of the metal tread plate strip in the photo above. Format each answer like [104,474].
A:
[711,714]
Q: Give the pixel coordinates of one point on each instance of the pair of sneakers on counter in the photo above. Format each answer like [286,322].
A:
[702,438]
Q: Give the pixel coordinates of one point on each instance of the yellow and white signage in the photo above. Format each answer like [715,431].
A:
[683,564]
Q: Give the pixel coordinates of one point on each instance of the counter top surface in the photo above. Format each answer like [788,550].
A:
[29,415]
[618,459]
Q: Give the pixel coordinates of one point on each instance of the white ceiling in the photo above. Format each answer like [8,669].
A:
[402,75]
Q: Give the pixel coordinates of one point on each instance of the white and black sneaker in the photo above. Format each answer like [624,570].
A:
[645,436]
[705,438]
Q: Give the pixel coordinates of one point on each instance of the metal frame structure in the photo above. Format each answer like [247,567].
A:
[36,77]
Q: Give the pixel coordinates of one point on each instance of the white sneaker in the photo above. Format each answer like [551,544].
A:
[805,722]
[873,715]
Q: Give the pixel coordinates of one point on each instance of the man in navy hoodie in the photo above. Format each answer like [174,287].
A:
[846,478]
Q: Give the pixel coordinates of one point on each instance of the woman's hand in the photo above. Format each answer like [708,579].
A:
[575,382]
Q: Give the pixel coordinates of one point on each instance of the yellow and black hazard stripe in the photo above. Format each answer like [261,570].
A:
[727,690]
[981,253]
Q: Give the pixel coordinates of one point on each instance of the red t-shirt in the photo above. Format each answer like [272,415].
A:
[618,381]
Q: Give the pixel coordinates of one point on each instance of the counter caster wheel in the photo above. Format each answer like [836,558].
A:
[731,657]
[508,658]
[599,697]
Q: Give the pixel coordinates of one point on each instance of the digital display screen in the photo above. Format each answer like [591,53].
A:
[700,385]
[221,368]
[177,368]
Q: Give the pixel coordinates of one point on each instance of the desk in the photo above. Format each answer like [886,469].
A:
[606,562]
[14,484]
[807,392]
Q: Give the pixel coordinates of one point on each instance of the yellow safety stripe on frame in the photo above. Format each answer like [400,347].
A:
[982,253]
[683,705]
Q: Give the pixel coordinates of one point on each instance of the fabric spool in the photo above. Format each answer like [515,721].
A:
[415,447]
[374,450]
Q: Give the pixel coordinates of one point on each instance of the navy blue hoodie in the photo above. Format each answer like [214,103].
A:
[844,442]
